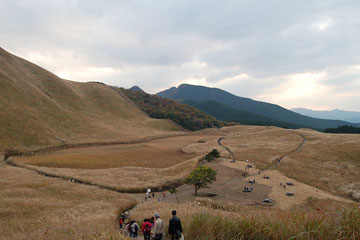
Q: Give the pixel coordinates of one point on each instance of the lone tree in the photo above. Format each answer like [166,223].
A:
[200,177]
[212,155]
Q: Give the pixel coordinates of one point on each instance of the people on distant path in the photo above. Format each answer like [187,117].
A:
[159,228]
[163,194]
[175,228]
[134,228]
[153,195]
[146,229]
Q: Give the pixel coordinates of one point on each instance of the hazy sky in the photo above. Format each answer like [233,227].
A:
[302,53]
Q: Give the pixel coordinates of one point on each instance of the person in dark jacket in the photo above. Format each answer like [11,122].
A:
[175,229]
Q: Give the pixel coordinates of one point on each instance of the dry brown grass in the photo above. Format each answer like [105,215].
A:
[35,207]
[206,219]
[159,153]
[261,145]
[139,178]
[39,109]
[328,161]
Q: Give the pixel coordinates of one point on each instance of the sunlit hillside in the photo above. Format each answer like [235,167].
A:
[40,109]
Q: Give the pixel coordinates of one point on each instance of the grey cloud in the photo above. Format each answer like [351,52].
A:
[265,39]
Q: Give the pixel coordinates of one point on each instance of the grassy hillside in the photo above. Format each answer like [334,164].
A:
[40,109]
[184,115]
[278,113]
[225,113]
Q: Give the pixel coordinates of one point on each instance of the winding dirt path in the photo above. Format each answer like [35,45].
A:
[278,194]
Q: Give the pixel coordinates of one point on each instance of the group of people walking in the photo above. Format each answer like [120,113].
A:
[153,228]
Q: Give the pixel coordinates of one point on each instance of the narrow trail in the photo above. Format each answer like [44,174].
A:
[275,163]
[232,156]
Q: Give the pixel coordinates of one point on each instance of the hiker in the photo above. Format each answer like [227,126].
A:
[134,228]
[280,183]
[252,188]
[126,216]
[284,186]
[121,222]
[159,228]
[163,194]
[259,172]
[146,229]
[153,195]
[175,228]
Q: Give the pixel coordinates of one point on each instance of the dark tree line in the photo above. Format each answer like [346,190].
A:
[343,129]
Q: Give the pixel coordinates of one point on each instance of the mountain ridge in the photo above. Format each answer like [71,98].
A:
[349,116]
[269,110]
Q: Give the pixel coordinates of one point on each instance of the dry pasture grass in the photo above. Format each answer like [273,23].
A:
[205,219]
[262,145]
[328,161]
[35,207]
[135,178]
[159,153]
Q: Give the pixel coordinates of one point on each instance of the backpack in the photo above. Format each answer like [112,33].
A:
[134,227]
[147,228]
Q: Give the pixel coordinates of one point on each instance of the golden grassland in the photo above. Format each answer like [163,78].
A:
[38,109]
[204,219]
[262,146]
[35,207]
[136,176]
[327,161]
[161,153]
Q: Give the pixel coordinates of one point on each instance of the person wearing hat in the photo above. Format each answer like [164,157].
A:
[159,227]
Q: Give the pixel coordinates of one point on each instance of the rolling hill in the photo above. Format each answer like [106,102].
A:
[225,113]
[157,107]
[272,111]
[40,109]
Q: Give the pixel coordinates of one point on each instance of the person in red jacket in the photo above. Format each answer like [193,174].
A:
[146,229]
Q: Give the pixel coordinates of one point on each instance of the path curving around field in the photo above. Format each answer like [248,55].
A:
[232,156]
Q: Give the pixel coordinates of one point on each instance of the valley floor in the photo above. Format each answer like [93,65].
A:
[270,150]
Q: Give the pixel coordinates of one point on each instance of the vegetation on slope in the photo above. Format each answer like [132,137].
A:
[273,111]
[343,129]
[182,114]
[225,113]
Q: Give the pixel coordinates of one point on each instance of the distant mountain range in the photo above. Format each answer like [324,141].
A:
[349,116]
[246,108]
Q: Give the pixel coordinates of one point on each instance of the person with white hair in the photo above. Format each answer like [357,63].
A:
[159,228]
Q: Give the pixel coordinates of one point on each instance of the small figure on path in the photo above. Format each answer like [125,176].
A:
[175,228]
[121,221]
[126,216]
[159,228]
[163,194]
[146,229]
